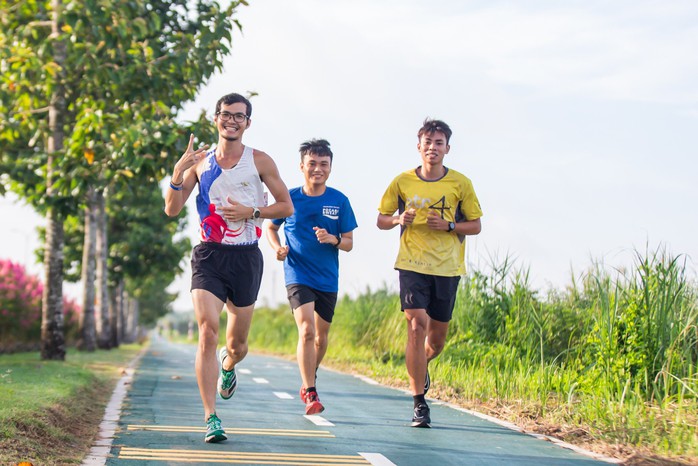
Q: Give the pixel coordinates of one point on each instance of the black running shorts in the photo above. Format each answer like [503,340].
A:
[229,272]
[325,301]
[435,294]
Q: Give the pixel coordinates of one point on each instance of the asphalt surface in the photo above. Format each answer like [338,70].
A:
[161,422]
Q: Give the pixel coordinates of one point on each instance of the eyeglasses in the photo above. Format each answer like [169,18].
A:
[237,117]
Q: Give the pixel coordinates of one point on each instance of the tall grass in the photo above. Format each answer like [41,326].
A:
[615,352]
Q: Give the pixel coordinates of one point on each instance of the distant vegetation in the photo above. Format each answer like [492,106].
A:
[613,354]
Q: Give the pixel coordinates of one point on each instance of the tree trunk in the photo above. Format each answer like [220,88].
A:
[52,334]
[102,291]
[117,299]
[121,313]
[131,326]
[88,334]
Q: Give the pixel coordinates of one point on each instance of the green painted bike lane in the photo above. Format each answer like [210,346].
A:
[161,422]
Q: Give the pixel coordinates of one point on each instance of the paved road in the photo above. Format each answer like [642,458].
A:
[364,423]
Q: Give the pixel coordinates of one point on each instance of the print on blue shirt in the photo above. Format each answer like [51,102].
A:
[310,262]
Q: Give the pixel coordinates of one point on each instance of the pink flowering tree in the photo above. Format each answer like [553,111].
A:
[20,307]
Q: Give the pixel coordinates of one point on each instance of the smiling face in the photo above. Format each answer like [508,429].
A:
[316,169]
[230,129]
[433,147]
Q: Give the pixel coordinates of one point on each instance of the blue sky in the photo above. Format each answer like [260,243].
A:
[576,121]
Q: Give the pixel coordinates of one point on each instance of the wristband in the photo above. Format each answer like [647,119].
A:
[339,241]
[175,187]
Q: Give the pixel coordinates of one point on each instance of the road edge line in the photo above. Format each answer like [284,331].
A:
[512,426]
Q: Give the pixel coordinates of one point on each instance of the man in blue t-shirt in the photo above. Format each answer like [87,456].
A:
[322,224]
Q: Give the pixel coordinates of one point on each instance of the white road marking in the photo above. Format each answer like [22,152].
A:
[516,428]
[367,380]
[318,420]
[243,371]
[283,395]
[260,380]
[376,459]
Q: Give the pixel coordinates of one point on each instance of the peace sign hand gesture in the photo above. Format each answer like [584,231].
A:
[190,158]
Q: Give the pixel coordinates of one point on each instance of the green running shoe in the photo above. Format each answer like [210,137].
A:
[228,380]
[214,431]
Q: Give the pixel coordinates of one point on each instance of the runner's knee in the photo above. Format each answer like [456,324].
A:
[306,332]
[208,335]
[436,347]
[321,341]
[238,350]
[416,327]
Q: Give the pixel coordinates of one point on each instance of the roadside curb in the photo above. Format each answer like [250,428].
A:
[102,445]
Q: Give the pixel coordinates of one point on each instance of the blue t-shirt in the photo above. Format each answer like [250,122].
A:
[310,262]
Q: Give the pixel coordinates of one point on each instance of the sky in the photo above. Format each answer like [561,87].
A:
[576,121]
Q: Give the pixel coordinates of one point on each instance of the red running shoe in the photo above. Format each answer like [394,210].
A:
[312,403]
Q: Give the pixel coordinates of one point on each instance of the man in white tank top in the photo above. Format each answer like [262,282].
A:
[227,264]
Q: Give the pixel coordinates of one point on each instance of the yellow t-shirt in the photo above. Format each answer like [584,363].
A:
[424,250]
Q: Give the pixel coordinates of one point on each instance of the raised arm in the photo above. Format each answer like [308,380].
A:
[183,178]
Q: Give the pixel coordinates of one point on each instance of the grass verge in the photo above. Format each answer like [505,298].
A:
[50,411]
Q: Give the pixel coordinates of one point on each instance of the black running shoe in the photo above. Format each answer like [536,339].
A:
[427,383]
[421,416]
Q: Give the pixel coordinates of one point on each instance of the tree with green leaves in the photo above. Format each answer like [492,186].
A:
[85,85]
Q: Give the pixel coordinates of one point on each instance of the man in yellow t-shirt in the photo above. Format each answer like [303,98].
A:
[436,209]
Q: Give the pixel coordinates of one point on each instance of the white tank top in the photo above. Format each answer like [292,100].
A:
[242,184]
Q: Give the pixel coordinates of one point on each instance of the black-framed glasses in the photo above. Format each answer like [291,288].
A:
[237,117]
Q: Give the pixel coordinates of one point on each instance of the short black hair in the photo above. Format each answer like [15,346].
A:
[319,147]
[431,126]
[234,98]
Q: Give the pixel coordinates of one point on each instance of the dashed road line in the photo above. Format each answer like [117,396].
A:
[283,395]
[318,420]
[259,380]
[376,459]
